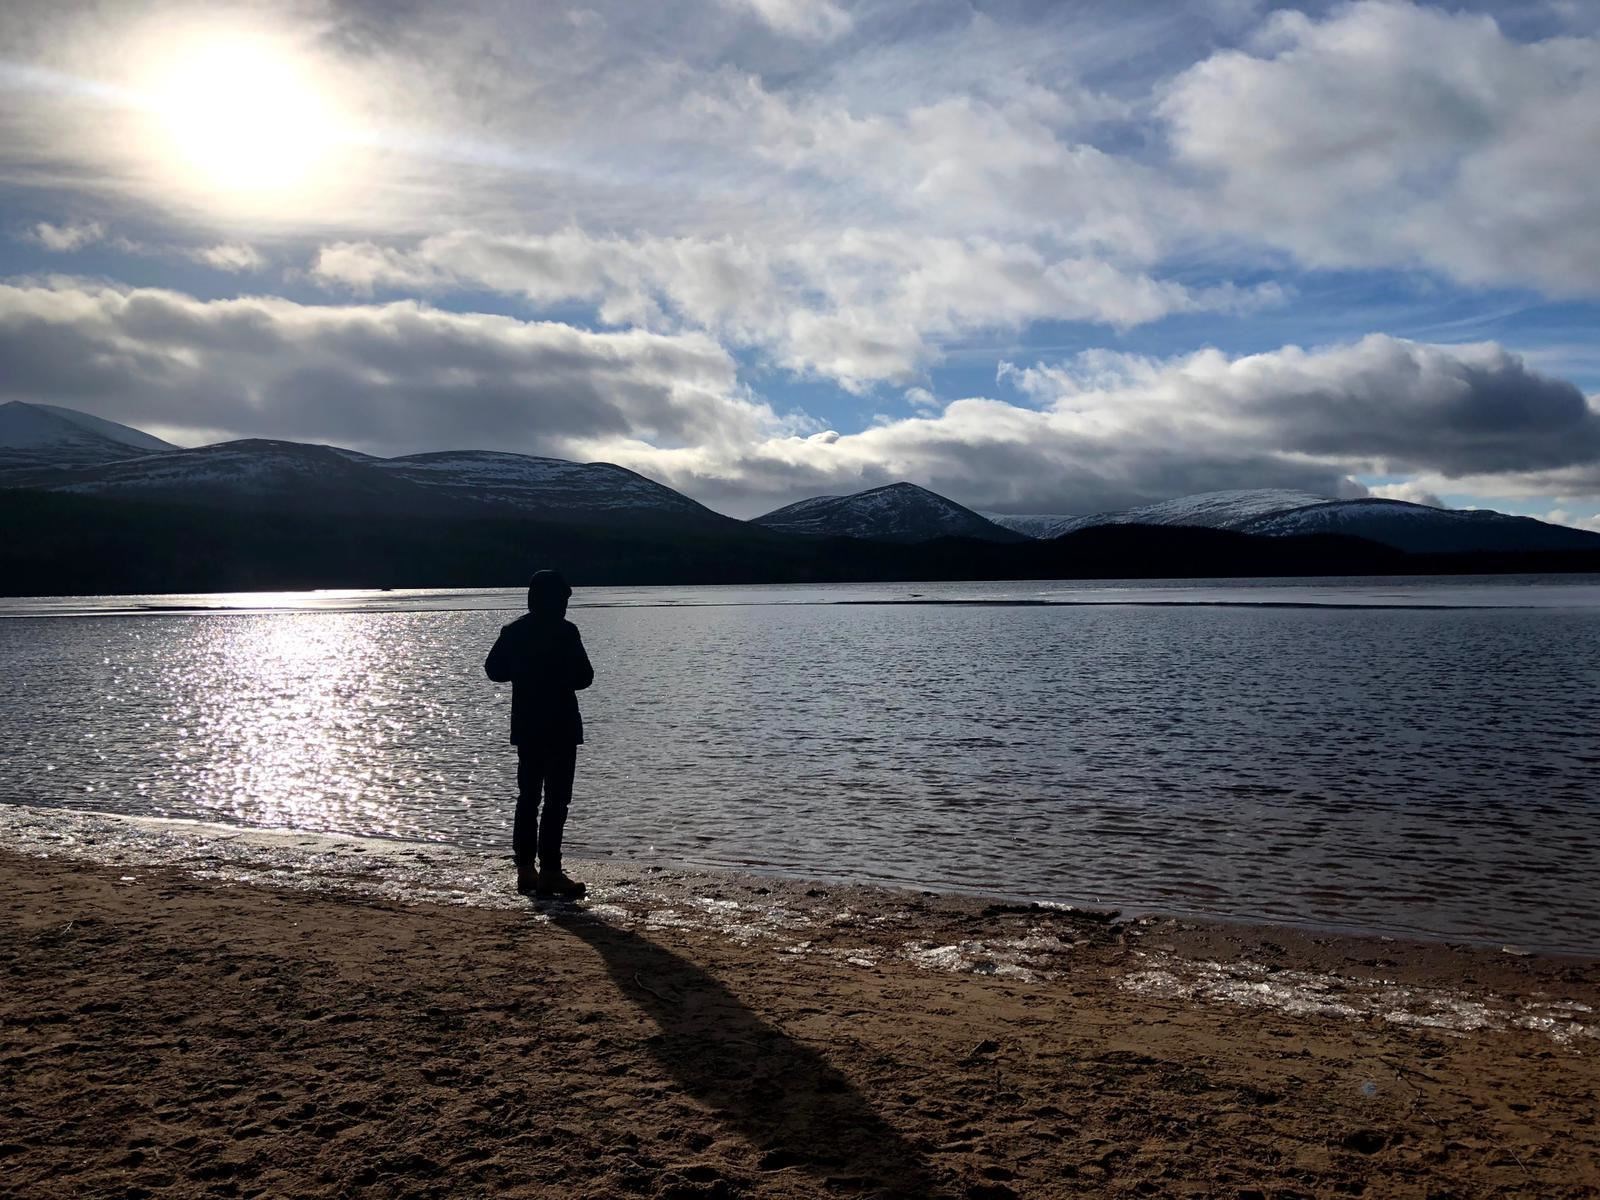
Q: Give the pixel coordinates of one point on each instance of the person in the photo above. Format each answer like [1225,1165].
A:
[542,656]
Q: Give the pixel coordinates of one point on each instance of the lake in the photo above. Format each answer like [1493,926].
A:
[1415,755]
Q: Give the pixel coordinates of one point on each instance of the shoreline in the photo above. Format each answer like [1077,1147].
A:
[167,1034]
[444,872]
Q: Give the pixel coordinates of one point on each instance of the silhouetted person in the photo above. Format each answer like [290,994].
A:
[541,655]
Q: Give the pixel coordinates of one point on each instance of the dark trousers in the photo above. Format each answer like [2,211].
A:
[545,770]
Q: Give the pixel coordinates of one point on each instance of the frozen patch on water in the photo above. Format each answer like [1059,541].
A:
[1315,994]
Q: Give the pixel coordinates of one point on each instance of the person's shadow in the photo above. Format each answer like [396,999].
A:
[782,1096]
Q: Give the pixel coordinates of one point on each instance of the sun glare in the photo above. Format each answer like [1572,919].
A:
[242,115]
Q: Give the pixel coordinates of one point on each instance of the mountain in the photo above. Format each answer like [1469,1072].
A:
[33,435]
[898,512]
[59,544]
[1207,510]
[90,504]
[1418,529]
[284,477]
[1272,512]
[488,480]
[1043,526]
[62,544]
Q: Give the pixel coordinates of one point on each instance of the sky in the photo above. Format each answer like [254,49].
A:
[1059,257]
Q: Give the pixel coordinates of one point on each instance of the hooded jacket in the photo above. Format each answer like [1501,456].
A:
[542,657]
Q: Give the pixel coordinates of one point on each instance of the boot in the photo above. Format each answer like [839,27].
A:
[527,879]
[555,884]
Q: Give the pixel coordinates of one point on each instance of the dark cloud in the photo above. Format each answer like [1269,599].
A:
[394,377]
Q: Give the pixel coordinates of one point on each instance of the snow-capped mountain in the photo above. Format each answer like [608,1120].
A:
[298,477]
[58,450]
[1211,510]
[1275,512]
[1043,526]
[34,435]
[898,512]
[489,479]
[256,472]
[1423,530]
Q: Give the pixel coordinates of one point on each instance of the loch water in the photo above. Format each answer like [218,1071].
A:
[1413,756]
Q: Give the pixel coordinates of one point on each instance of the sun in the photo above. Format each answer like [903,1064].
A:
[242,115]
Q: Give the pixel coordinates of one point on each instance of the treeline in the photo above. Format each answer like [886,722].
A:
[72,545]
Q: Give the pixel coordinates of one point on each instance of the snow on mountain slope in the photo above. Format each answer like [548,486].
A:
[1279,513]
[45,435]
[298,477]
[1042,526]
[529,484]
[258,472]
[1423,530]
[898,512]
[1219,510]
[1211,510]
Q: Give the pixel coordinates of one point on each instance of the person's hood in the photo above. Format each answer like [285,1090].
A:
[548,593]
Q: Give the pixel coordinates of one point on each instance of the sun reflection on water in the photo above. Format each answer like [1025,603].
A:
[374,722]
[310,721]
[285,703]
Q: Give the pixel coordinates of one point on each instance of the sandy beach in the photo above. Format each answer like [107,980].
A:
[168,1035]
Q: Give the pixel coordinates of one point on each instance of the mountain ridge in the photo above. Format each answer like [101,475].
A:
[895,512]
[275,474]
[1422,529]
[1400,524]
[1206,510]
[42,434]
[61,451]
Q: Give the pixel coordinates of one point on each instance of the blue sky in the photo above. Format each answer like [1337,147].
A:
[1039,257]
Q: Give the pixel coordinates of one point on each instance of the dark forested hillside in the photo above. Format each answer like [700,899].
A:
[63,545]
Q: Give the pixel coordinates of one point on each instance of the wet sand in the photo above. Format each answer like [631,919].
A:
[166,1035]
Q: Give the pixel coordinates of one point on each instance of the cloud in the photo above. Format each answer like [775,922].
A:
[1099,431]
[818,20]
[388,378]
[230,256]
[63,239]
[1382,405]
[1560,516]
[1410,491]
[1396,135]
[1108,431]
[857,306]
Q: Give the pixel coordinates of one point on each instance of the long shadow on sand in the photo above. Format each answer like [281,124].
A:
[782,1096]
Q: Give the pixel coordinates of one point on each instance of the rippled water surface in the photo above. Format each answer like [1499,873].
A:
[1393,754]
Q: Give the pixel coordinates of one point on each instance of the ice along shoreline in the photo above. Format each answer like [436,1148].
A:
[1454,989]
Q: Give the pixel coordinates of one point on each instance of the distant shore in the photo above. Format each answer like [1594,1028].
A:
[707,1036]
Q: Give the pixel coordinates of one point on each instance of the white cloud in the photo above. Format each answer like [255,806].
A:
[1392,134]
[63,239]
[1561,516]
[1410,491]
[857,306]
[230,256]
[819,20]
[1110,431]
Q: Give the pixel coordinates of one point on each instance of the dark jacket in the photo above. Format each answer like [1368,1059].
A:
[543,659]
